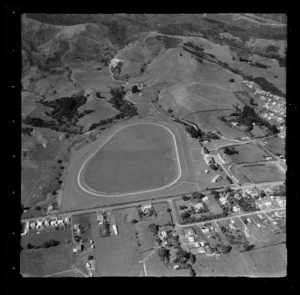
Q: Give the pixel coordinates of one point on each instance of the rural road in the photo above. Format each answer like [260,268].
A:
[137,203]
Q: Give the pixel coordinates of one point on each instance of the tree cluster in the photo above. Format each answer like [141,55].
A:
[154,228]
[195,133]
[65,108]
[124,107]
[259,65]
[248,116]
[26,130]
[230,150]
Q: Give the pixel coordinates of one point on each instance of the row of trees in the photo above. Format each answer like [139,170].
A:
[230,150]
[47,244]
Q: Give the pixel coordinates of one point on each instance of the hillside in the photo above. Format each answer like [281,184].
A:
[189,65]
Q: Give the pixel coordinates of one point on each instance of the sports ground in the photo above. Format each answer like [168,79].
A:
[135,158]
[131,161]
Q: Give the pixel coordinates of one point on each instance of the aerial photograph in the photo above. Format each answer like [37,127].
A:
[153,145]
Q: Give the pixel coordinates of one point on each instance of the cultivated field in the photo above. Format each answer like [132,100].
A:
[129,161]
[248,153]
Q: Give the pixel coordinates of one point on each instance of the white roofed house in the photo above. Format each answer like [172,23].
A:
[39,223]
[189,232]
[60,221]
[223,200]
[198,207]
[32,225]
[236,209]
[205,199]
[67,220]
[191,239]
[146,207]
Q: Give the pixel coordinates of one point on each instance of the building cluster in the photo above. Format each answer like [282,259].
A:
[274,107]
[107,224]
[270,202]
[78,232]
[195,244]
[90,265]
[37,226]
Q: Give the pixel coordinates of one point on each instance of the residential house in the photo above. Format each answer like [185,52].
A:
[205,199]
[201,250]
[60,221]
[163,233]
[146,207]
[232,226]
[67,220]
[236,209]
[205,230]
[198,207]
[223,200]
[191,239]
[237,196]
[78,248]
[189,232]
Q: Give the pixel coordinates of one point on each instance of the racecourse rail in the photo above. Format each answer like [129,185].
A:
[95,193]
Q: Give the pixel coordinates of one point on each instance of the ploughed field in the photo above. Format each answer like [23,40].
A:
[137,158]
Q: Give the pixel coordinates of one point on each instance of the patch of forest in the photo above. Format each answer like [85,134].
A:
[125,108]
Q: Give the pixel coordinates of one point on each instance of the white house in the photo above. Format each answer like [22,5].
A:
[199,206]
[201,250]
[236,209]
[191,239]
[205,230]
[223,200]
[163,233]
[232,226]
[205,199]
[146,207]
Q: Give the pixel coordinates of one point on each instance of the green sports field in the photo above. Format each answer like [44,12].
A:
[137,158]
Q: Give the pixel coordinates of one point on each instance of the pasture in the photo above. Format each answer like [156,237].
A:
[275,145]
[42,262]
[263,173]
[248,153]
[137,158]
[101,110]
[118,255]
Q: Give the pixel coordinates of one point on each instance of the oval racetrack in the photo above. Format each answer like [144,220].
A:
[136,158]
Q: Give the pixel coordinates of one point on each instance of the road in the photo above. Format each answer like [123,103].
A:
[152,201]
[219,219]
